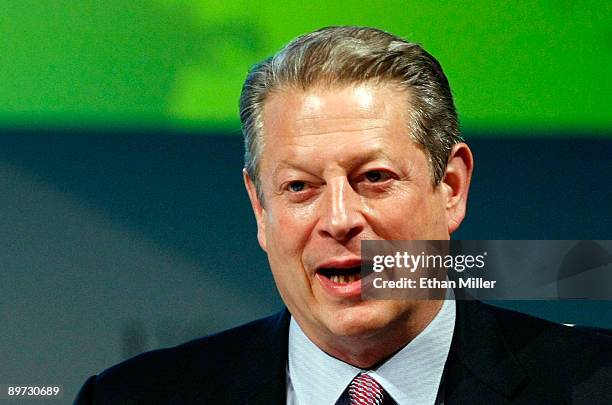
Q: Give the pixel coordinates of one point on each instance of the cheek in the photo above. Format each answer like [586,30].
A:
[288,233]
[289,230]
[408,217]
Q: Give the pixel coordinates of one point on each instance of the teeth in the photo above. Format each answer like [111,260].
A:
[344,279]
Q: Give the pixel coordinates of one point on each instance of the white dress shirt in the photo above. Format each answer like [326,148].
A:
[411,376]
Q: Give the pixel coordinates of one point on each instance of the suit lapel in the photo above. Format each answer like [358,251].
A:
[268,386]
[480,368]
[253,373]
[273,392]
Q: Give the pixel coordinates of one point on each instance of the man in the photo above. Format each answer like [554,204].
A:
[351,134]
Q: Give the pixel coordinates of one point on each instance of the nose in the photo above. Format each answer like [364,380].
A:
[341,216]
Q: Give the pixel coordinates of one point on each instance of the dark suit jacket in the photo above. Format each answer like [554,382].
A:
[497,357]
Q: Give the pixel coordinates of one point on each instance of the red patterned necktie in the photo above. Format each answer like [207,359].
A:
[364,390]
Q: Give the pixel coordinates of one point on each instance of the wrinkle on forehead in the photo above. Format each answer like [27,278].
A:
[307,129]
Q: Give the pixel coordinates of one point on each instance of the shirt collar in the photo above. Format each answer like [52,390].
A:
[316,377]
[411,376]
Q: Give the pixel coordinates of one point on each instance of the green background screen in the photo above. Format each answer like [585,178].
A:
[513,66]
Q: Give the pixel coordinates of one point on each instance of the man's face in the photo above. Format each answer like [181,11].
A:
[338,167]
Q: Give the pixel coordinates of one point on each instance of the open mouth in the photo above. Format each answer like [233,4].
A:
[345,275]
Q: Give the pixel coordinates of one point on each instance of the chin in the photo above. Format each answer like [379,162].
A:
[363,320]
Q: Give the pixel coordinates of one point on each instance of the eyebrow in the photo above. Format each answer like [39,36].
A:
[285,164]
[356,161]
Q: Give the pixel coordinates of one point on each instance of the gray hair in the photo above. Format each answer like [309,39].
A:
[351,55]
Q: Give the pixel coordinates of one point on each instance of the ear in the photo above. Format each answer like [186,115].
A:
[456,184]
[258,209]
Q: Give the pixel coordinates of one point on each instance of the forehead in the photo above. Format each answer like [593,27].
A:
[333,113]
[362,100]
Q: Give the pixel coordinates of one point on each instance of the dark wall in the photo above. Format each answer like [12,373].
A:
[114,243]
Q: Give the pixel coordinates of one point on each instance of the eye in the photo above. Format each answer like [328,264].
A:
[299,191]
[296,186]
[376,176]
